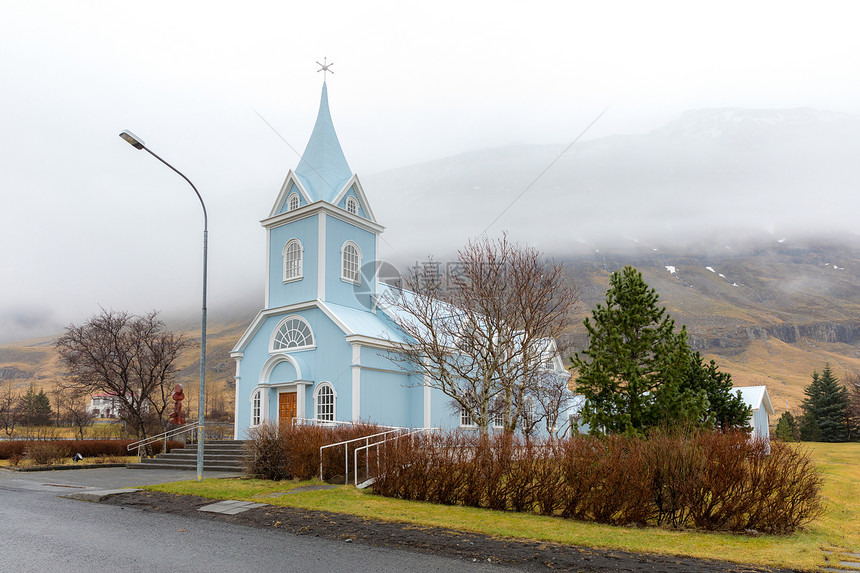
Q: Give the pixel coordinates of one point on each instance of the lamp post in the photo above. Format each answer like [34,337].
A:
[137,143]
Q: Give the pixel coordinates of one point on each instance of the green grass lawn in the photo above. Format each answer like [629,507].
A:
[838,529]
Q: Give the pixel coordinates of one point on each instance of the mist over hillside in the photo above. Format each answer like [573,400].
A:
[723,173]
[711,182]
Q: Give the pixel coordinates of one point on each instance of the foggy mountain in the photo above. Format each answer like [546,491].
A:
[715,172]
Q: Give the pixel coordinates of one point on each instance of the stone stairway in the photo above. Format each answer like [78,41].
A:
[218,455]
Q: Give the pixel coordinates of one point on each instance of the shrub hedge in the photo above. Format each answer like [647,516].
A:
[294,451]
[87,448]
[709,480]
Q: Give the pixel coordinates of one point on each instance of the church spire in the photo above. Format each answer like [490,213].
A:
[323,169]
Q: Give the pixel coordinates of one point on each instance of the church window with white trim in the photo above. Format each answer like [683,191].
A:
[256,400]
[293,260]
[498,420]
[351,262]
[466,418]
[352,205]
[325,402]
[294,333]
[293,202]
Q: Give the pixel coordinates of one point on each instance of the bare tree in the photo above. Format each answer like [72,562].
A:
[77,414]
[484,339]
[10,413]
[553,396]
[127,356]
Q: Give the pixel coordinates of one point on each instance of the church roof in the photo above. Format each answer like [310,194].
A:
[323,170]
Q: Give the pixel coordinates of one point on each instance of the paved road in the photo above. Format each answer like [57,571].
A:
[40,531]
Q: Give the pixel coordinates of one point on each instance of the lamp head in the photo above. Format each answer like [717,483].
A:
[135,141]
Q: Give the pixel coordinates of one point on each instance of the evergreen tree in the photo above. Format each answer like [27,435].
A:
[852,382]
[632,373]
[725,409]
[808,428]
[786,428]
[827,404]
[36,407]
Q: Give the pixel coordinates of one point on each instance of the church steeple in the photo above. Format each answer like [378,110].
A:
[323,170]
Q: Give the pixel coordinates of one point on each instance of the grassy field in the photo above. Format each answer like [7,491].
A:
[837,530]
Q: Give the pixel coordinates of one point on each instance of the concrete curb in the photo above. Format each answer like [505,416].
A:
[64,467]
[98,495]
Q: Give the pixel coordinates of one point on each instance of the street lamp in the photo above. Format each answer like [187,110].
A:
[137,143]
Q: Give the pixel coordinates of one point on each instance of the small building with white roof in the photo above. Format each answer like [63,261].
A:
[757,398]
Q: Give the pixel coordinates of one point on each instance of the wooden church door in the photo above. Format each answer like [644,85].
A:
[287,407]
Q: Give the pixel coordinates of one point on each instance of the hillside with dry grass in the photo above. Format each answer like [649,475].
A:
[767,314]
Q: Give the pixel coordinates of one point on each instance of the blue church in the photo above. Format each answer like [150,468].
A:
[318,348]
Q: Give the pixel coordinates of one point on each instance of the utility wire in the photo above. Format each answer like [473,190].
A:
[547,168]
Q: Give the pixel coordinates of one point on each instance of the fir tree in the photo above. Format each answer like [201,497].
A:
[725,409]
[36,407]
[808,428]
[786,428]
[827,404]
[632,373]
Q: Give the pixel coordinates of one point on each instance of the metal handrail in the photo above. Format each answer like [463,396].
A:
[367,447]
[162,436]
[345,445]
[315,421]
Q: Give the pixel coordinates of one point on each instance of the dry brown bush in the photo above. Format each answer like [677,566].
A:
[293,451]
[47,453]
[708,480]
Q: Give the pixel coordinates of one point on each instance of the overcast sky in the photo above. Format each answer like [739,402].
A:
[87,221]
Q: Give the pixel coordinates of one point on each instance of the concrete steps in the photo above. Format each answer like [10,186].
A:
[218,455]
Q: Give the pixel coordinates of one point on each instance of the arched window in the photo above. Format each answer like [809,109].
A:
[325,401]
[293,260]
[294,333]
[351,262]
[256,399]
[293,202]
[352,205]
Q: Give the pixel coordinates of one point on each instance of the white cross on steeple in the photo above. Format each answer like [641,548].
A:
[325,68]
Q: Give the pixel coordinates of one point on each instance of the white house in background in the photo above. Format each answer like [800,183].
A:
[104,406]
[757,398]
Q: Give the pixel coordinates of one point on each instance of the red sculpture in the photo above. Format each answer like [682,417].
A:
[178,396]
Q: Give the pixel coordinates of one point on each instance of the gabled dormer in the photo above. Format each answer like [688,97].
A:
[322,233]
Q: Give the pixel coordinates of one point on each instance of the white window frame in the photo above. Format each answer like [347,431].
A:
[343,263]
[529,410]
[351,205]
[466,420]
[257,407]
[317,403]
[301,260]
[282,323]
[293,198]
[499,420]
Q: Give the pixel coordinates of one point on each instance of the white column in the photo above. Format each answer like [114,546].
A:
[321,257]
[236,399]
[268,264]
[300,400]
[427,396]
[264,404]
[356,382]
